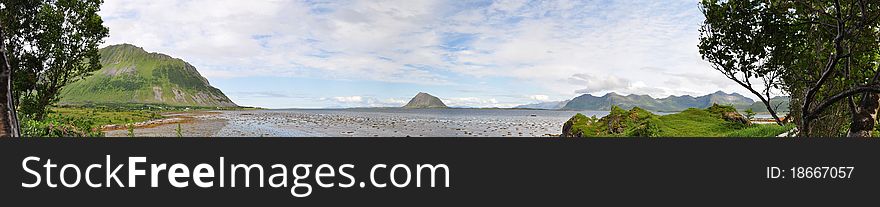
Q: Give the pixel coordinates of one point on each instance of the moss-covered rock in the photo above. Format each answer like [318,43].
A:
[715,121]
[619,122]
[579,120]
[729,113]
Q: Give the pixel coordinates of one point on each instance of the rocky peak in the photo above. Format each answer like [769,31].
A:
[424,100]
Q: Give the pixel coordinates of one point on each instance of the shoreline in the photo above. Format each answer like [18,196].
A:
[345,123]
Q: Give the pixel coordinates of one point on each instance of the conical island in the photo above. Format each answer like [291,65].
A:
[424,100]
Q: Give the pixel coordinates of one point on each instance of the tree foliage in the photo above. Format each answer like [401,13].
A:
[821,52]
[749,42]
[51,43]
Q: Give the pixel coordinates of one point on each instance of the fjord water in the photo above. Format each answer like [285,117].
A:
[371,122]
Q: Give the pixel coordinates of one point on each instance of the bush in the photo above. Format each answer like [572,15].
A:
[619,122]
[721,109]
[55,125]
[647,127]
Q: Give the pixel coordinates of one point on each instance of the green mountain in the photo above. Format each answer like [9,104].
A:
[671,103]
[552,105]
[132,75]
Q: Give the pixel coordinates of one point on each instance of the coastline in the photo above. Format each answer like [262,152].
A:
[349,123]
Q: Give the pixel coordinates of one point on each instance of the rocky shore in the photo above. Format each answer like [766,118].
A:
[343,123]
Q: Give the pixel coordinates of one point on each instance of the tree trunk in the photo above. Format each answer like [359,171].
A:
[863,120]
[8,120]
[44,99]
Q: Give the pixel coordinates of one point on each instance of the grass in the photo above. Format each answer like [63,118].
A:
[83,122]
[132,75]
[618,123]
[87,120]
[104,116]
[762,130]
[695,123]
[689,123]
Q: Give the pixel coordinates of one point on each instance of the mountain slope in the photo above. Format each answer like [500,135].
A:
[671,103]
[781,101]
[132,75]
[552,105]
[424,100]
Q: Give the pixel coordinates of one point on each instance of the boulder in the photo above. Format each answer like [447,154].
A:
[568,126]
[736,118]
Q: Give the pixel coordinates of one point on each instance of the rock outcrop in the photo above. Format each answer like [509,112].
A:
[736,118]
[424,100]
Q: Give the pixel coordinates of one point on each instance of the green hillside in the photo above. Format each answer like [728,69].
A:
[132,75]
[716,121]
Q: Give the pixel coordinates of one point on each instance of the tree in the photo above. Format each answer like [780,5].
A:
[51,43]
[845,35]
[746,41]
[8,120]
[819,51]
[749,114]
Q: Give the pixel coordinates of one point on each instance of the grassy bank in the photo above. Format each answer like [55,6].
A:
[87,120]
[717,121]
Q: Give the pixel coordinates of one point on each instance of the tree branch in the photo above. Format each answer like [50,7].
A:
[848,93]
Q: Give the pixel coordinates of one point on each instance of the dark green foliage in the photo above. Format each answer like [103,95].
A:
[619,122]
[50,44]
[749,114]
[647,127]
[822,53]
[748,40]
[578,125]
[720,109]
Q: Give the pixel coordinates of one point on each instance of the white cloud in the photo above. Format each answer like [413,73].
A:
[360,101]
[543,44]
[477,102]
[598,83]
[349,99]
[539,97]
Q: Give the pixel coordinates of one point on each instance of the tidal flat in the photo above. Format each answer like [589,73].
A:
[367,122]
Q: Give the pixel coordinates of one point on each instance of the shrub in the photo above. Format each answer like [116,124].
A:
[721,109]
[55,125]
[619,122]
[647,127]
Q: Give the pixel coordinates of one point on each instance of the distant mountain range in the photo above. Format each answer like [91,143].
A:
[671,103]
[544,105]
[132,75]
[781,101]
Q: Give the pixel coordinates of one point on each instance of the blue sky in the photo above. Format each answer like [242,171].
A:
[483,53]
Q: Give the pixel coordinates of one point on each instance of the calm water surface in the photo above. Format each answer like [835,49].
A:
[397,122]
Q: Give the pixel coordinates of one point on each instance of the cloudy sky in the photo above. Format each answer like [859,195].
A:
[481,53]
